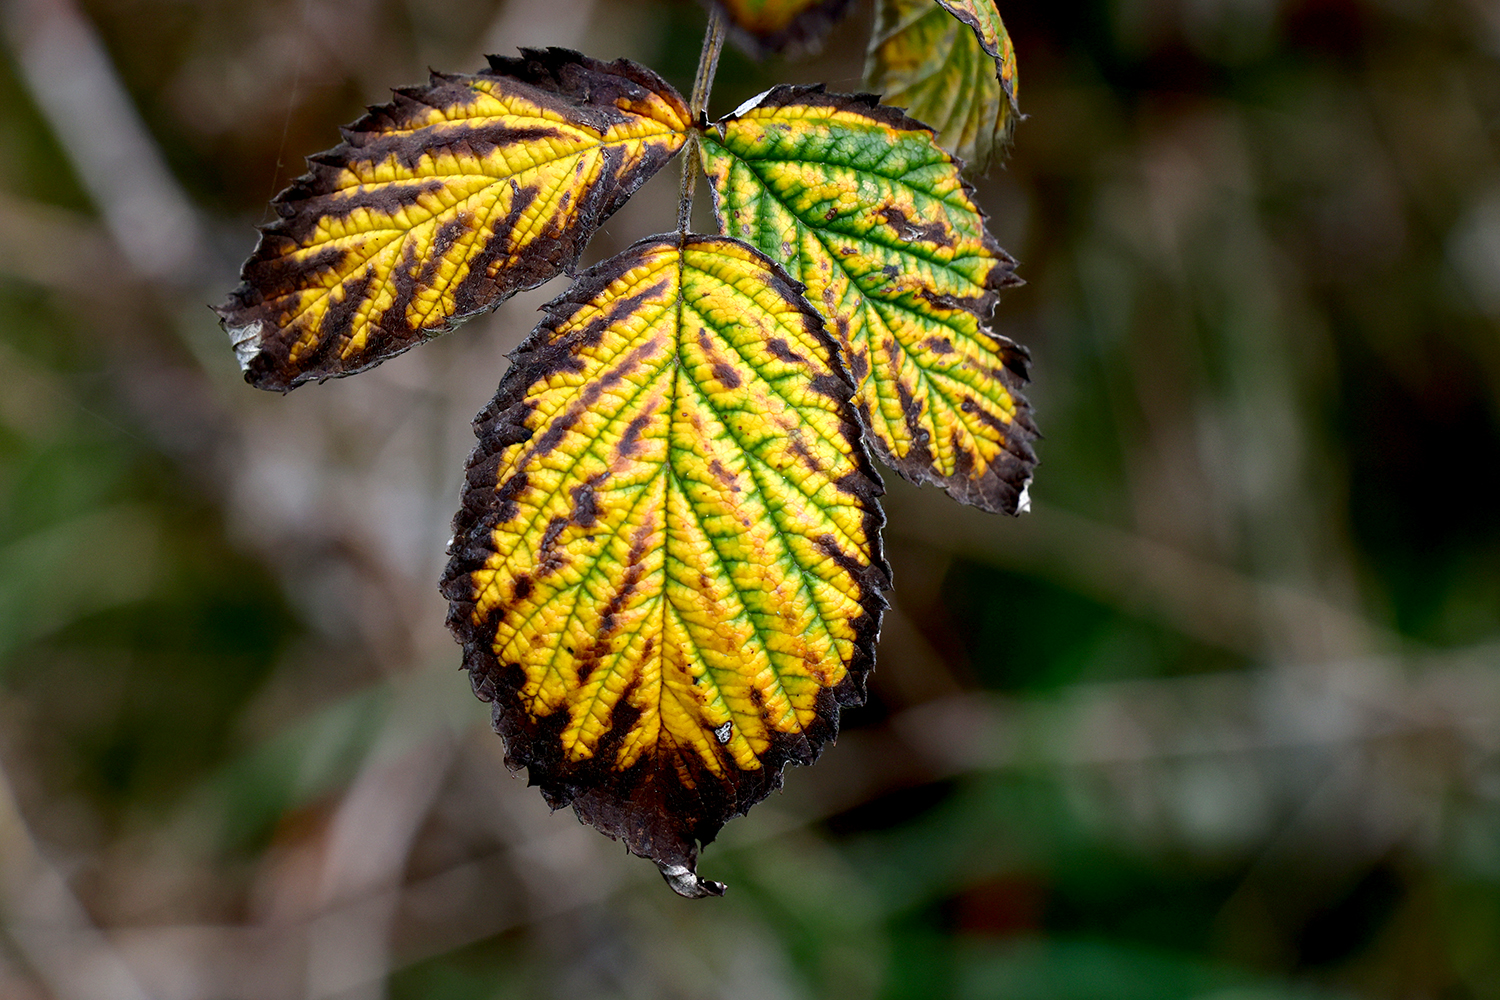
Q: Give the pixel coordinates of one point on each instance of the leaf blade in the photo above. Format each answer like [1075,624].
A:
[669,483]
[860,205]
[443,203]
[951,64]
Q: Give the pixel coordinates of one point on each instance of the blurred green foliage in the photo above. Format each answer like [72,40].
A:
[1220,720]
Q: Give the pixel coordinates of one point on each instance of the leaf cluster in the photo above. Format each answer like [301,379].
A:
[667,571]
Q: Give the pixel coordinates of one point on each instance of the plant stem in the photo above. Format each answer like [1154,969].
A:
[708,64]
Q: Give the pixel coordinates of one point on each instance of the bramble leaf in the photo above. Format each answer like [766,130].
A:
[667,572]
[951,65]
[984,17]
[766,26]
[441,204]
[858,203]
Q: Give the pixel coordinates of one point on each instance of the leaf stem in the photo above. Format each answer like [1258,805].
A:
[708,64]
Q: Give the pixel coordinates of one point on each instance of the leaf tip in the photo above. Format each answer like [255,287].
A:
[245,340]
[688,883]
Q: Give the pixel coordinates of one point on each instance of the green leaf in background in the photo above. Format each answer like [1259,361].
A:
[859,204]
[925,57]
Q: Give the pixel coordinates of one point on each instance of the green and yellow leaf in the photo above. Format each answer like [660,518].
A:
[951,65]
[984,17]
[766,26]
[860,205]
[441,204]
[667,572]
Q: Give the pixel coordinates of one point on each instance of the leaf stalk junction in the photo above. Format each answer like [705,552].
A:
[703,82]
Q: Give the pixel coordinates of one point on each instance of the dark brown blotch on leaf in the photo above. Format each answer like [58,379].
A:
[934,232]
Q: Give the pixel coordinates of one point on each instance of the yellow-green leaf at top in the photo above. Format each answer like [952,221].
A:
[984,17]
[949,63]
[860,205]
[766,26]
[441,204]
[667,573]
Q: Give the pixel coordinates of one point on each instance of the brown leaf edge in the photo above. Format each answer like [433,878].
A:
[657,819]
[576,84]
[1005,486]
[967,17]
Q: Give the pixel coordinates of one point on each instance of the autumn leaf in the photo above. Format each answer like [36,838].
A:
[766,26]
[441,204]
[860,205]
[667,572]
[951,65]
[984,17]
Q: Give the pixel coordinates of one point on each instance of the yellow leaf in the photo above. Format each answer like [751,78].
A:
[952,66]
[443,203]
[860,205]
[667,572]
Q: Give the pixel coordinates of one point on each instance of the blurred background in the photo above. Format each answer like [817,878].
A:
[1218,720]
